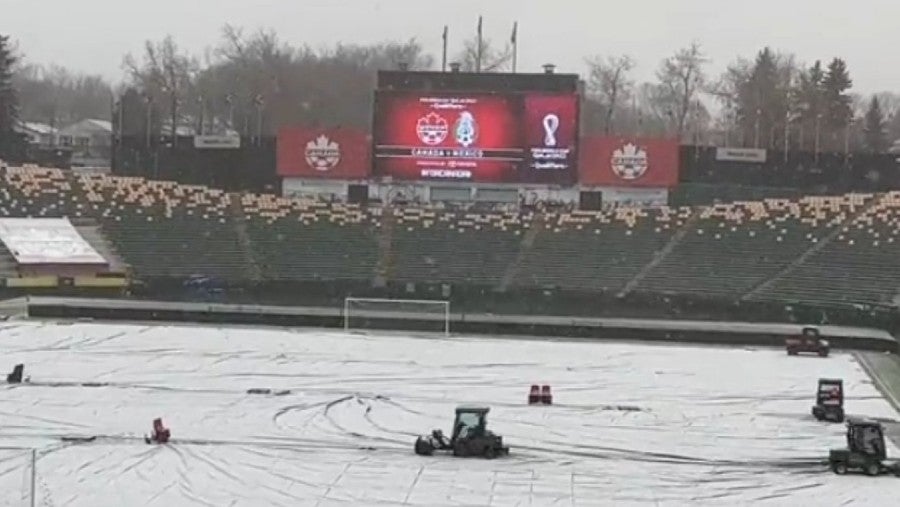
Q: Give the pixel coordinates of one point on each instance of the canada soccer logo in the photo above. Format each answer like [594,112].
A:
[432,129]
[323,154]
[629,162]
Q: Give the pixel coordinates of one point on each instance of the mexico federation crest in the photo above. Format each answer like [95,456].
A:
[323,154]
[432,129]
[466,129]
[629,162]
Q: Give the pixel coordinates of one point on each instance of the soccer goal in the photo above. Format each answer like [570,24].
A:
[17,476]
[415,314]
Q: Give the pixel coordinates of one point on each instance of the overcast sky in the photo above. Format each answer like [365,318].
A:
[93,35]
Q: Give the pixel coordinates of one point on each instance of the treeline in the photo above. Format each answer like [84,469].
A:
[254,82]
[770,101]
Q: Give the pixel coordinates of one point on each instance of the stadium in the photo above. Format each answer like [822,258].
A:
[295,342]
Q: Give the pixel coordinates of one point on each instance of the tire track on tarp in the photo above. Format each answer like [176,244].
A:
[331,420]
[221,468]
[799,463]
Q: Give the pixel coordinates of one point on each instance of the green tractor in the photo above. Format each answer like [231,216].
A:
[865,450]
[470,437]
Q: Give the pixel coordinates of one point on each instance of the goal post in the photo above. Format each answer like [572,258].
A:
[416,314]
[17,476]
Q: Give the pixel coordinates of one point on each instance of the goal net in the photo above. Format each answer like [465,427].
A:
[16,477]
[405,314]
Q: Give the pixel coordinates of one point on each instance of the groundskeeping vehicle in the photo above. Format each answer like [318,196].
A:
[470,436]
[808,341]
[829,400]
[865,450]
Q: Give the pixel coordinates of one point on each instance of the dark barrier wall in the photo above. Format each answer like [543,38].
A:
[825,173]
[248,168]
[534,325]
[252,167]
[546,301]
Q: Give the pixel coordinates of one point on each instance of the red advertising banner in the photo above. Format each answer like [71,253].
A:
[628,162]
[475,137]
[327,153]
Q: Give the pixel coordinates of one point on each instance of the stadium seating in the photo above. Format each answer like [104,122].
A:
[34,192]
[438,245]
[733,248]
[597,250]
[297,239]
[163,229]
[859,265]
[816,249]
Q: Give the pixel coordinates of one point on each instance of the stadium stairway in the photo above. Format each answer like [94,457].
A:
[733,248]
[240,228]
[92,232]
[295,239]
[512,272]
[166,230]
[436,245]
[661,256]
[786,273]
[857,267]
[385,239]
[7,263]
[596,250]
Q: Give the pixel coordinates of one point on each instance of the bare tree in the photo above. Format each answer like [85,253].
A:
[889,102]
[873,131]
[254,83]
[681,78]
[165,74]
[610,85]
[890,107]
[297,84]
[58,96]
[493,58]
[654,109]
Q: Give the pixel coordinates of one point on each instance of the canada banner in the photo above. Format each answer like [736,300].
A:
[628,162]
[323,153]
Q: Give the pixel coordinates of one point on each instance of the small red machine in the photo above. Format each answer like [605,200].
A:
[160,434]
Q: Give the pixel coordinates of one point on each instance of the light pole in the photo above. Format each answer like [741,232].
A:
[787,135]
[259,102]
[756,128]
[173,96]
[202,106]
[229,101]
[818,140]
[847,130]
[33,476]
[148,105]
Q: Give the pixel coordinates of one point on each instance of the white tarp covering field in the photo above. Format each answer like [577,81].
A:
[632,424]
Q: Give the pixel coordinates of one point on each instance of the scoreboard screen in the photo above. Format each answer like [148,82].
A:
[477,137]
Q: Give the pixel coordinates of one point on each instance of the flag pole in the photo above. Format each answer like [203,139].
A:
[480,46]
[444,53]
[515,46]
[33,476]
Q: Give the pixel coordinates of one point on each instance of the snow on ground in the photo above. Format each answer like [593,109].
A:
[632,424]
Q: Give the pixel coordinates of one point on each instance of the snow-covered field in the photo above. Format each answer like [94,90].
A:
[632,424]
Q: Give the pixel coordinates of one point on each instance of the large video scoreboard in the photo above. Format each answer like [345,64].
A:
[506,128]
